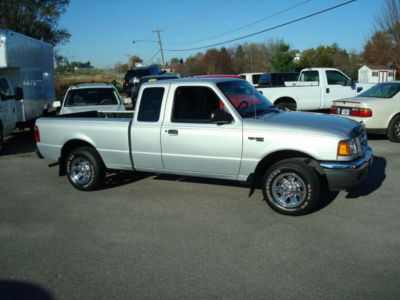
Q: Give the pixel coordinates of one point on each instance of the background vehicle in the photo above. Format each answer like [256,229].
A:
[253,78]
[315,89]
[26,81]
[143,79]
[274,79]
[131,77]
[90,96]
[180,128]
[378,108]
[217,76]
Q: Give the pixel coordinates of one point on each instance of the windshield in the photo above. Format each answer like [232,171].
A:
[382,90]
[245,98]
[92,96]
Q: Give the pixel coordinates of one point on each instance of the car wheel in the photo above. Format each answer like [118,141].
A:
[291,187]
[286,105]
[393,132]
[85,169]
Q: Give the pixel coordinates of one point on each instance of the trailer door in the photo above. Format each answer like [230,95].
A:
[7,107]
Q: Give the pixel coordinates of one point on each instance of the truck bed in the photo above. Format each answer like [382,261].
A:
[99,114]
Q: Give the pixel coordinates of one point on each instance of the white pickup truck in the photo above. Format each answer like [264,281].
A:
[217,128]
[315,89]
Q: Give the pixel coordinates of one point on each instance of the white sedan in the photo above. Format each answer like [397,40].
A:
[378,108]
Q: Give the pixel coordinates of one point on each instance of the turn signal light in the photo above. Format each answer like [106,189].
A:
[361,112]
[344,148]
[37,134]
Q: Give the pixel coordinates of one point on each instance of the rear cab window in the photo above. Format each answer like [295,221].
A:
[150,104]
[91,97]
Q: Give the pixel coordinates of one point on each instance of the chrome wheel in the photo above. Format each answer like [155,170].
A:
[396,129]
[80,171]
[289,190]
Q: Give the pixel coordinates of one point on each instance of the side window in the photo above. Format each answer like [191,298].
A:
[150,104]
[309,76]
[335,77]
[256,78]
[193,104]
[5,90]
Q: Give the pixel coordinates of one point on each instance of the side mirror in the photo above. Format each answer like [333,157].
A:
[57,104]
[127,101]
[359,89]
[220,116]
[19,93]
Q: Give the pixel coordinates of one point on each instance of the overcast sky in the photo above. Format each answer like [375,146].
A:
[103,31]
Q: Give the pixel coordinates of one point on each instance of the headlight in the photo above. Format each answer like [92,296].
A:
[347,148]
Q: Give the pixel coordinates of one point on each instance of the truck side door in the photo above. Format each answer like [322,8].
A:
[7,107]
[145,131]
[338,86]
[191,143]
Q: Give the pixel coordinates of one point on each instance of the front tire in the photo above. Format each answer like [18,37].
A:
[393,132]
[85,169]
[291,187]
[286,105]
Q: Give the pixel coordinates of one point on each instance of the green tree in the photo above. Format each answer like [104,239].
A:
[133,60]
[282,59]
[35,18]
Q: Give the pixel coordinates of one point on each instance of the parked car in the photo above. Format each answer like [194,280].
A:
[275,79]
[178,127]
[253,78]
[131,77]
[90,96]
[315,89]
[26,81]
[378,108]
[143,79]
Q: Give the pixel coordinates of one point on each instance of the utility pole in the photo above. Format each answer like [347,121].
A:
[159,41]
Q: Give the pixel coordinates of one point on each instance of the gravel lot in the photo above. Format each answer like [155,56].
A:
[148,236]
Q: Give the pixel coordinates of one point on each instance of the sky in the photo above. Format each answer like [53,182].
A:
[103,31]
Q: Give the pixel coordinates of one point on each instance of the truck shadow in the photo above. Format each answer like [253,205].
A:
[376,176]
[11,289]
[120,178]
[374,180]
[19,142]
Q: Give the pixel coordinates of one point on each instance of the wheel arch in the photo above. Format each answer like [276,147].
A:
[394,115]
[272,158]
[285,99]
[68,147]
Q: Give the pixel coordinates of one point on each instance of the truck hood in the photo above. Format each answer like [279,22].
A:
[305,123]
[75,109]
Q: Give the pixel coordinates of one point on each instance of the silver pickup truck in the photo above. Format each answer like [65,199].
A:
[218,128]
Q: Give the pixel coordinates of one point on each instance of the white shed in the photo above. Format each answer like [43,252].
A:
[375,74]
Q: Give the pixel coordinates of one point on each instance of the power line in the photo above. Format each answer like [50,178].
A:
[265,30]
[152,57]
[253,23]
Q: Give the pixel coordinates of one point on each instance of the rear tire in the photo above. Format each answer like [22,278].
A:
[85,169]
[285,105]
[393,132]
[291,187]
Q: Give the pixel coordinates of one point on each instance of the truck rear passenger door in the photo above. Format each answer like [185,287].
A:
[191,143]
[145,131]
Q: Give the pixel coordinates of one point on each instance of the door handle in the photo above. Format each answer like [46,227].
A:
[327,90]
[172,131]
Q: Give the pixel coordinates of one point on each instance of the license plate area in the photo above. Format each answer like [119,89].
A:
[345,111]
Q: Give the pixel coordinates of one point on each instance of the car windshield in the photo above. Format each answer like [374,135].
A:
[382,90]
[249,102]
[92,96]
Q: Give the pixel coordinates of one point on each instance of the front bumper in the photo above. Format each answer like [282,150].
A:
[342,175]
